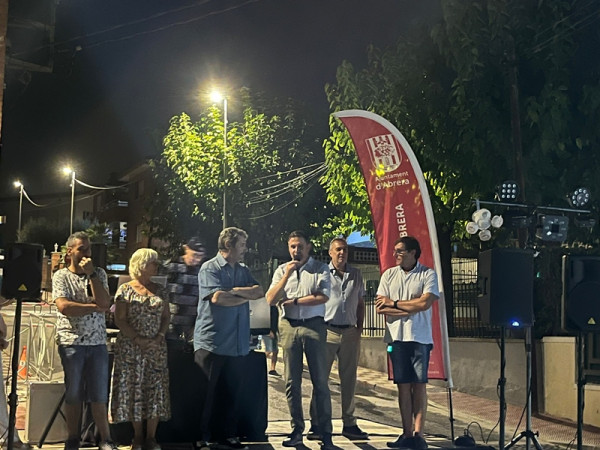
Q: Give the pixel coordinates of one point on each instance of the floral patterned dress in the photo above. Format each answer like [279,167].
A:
[140,383]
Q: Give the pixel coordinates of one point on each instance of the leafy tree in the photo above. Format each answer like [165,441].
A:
[271,175]
[449,92]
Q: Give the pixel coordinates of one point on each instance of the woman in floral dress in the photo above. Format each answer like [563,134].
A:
[140,384]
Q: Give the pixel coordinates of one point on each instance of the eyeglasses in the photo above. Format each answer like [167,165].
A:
[400,251]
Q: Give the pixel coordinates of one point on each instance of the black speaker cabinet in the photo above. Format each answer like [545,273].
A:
[580,305]
[22,273]
[506,286]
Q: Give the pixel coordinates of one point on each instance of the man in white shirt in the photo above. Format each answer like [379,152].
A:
[301,287]
[344,316]
[405,296]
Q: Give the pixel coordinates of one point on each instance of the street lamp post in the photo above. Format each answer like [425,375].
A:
[19,185]
[217,97]
[70,171]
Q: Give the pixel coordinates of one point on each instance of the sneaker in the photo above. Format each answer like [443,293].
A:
[398,443]
[353,432]
[327,443]
[72,444]
[231,443]
[151,444]
[107,445]
[418,442]
[293,439]
[313,434]
[274,373]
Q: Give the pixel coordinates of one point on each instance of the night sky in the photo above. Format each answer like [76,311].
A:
[106,106]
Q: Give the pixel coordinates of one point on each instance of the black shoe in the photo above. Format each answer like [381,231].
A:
[274,373]
[418,442]
[313,434]
[398,443]
[354,432]
[231,443]
[72,444]
[326,442]
[293,439]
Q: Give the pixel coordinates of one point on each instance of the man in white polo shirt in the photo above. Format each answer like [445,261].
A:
[405,296]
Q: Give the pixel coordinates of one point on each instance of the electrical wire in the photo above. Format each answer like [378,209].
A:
[285,205]
[135,22]
[578,25]
[289,171]
[102,188]
[309,174]
[31,201]
[269,192]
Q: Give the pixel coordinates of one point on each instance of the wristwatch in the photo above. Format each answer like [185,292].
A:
[295,300]
[395,304]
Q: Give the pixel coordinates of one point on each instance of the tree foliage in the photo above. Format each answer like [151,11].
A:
[448,91]
[271,178]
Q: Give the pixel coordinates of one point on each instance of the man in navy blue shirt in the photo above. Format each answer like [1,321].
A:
[222,332]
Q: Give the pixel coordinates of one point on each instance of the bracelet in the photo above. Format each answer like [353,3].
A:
[395,304]
[295,300]
[92,275]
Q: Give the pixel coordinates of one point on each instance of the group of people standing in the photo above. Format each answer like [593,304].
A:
[322,314]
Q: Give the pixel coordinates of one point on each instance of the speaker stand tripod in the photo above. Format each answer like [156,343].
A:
[581,380]
[12,397]
[529,435]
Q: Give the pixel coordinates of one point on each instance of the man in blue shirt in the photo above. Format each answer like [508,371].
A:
[222,331]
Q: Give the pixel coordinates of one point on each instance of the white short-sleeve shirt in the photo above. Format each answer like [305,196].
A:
[400,285]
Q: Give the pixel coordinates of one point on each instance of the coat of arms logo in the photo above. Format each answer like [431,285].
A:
[384,154]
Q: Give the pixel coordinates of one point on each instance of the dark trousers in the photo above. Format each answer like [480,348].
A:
[220,388]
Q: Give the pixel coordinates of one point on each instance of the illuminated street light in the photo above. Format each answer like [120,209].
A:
[69,171]
[217,97]
[19,185]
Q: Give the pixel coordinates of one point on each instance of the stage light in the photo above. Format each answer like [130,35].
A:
[579,197]
[485,235]
[497,221]
[507,191]
[515,323]
[472,228]
[552,228]
[482,217]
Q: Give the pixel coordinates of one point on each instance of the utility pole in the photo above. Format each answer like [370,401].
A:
[515,117]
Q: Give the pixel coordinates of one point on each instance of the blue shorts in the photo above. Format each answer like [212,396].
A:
[270,343]
[410,361]
[86,373]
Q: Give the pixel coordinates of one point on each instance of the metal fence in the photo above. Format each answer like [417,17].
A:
[463,315]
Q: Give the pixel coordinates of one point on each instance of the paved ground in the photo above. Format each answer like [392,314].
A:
[378,414]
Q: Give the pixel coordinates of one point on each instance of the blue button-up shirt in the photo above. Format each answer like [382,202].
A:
[223,330]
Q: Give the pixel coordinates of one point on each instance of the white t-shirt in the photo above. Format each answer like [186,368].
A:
[400,285]
[89,329]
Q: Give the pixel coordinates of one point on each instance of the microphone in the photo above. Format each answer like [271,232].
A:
[297,258]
